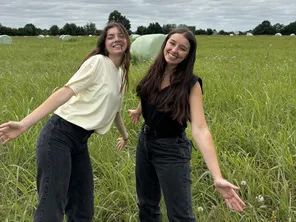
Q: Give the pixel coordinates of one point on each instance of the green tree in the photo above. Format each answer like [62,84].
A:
[54,30]
[168,27]
[30,30]
[278,27]
[191,28]
[264,28]
[117,17]
[289,29]
[69,29]
[90,28]
[154,28]
[210,31]
[141,30]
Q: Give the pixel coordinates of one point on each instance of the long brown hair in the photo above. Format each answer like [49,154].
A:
[101,49]
[175,100]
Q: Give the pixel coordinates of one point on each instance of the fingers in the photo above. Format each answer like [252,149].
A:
[233,204]
[4,128]
[121,144]
[239,200]
[233,186]
[6,141]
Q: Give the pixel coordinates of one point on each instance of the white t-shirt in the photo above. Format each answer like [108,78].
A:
[97,86]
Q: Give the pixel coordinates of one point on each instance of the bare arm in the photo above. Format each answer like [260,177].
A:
[48,106]
[201,133]
[120,126]
[10,130]
[203,139]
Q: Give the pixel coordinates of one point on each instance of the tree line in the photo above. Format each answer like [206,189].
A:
[265,28]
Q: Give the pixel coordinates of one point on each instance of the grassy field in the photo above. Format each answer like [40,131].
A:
[250,107]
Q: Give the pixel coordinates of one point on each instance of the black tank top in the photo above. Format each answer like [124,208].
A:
[162,122]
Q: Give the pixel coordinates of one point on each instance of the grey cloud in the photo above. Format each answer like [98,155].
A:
[228,15]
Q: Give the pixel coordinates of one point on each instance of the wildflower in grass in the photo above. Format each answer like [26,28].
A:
[243,183]
[200,209]
[260,198]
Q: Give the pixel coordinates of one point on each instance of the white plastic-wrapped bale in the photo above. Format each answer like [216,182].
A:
[5,39]
[66,37]
[61,36]
[231,34]
[40,36]
[249,34]
[146,47]
[292,34]
[134,36]
[278,34]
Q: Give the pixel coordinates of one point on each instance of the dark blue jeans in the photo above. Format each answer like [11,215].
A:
[64,174]
[163,164]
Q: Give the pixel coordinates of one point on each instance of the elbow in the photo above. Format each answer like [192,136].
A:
[200,132]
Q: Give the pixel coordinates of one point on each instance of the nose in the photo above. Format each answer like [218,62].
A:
[174,49]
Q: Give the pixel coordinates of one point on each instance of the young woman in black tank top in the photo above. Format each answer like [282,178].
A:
[170,96]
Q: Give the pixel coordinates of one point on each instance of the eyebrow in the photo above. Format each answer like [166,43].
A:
[180,45]
[120,33]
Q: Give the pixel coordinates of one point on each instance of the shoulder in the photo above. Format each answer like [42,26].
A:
[194,80]
[95,60]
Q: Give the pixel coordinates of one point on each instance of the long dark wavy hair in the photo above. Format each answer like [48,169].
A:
[175,99]
[101,49]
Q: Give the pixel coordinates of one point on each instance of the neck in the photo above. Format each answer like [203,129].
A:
[169,70]
[116,60]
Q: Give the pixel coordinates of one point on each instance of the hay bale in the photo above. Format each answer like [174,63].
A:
[40,36]
[278,34]
[66,37]
[146,47]
[249,34]
[5,39]
[134,36]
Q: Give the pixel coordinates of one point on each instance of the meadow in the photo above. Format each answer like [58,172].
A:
[250,106]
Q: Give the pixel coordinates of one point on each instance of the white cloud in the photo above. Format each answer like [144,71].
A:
[228,15]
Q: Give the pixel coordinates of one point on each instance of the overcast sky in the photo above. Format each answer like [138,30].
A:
[229,15]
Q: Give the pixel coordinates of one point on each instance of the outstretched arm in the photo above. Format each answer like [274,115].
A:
[11,130]
[203,139]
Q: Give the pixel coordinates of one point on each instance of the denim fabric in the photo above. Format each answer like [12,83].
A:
[163,164]
[64,174]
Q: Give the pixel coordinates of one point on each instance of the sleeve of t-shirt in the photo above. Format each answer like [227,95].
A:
[194,80]
[85,74]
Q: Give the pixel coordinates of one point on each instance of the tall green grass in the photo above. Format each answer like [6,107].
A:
[250,106]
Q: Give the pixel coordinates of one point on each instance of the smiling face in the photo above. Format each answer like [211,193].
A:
[176,49]
[116,43]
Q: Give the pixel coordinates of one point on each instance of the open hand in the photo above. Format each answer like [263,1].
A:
[121,144]
[227,190]
[134,115]
[10,130]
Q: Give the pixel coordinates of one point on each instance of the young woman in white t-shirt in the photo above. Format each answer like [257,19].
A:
[89,102]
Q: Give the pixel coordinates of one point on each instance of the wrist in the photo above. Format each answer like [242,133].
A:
[125,138]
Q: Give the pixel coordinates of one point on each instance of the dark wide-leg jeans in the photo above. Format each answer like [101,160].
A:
[64,174]
[163,164]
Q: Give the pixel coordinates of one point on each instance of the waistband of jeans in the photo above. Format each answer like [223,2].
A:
[148,131]
[77,128]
